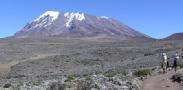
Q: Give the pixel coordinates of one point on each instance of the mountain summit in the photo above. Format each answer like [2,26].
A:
[56,24]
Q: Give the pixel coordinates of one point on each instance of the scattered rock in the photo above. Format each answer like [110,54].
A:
[177,77]
[96,82]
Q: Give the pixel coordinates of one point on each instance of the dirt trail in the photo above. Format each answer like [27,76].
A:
[161,82]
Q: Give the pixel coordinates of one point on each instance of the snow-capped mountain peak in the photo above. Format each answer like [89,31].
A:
[77,24]
[53,14]
[44,20]
[104,17]
[71,16]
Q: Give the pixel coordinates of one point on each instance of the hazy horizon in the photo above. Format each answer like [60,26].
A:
[155,18]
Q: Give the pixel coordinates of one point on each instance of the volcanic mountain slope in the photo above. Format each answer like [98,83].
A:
[176,36]
[56,24]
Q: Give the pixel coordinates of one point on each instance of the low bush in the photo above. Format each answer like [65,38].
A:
[57,86]
[84,85]
[8,85]
[181,65]
[36,82]
[114,72]
[70,78]
[142,72]
[88,77]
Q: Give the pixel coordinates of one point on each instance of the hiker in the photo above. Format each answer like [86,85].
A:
[175,61]
[168,66]
[164,62]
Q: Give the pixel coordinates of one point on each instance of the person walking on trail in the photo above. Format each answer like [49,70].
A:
[168,66]
[164,62]
[175,61]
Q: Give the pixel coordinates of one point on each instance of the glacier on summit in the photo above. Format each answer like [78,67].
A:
[53,14]
[72,16]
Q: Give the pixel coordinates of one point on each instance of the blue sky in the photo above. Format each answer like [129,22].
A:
[156,18]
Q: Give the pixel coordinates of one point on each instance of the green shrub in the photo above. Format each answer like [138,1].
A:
[181,65]
[114,72]
[84,85]
[142,72]
[88,77]
[8,85]
[70,78]
[36,82]
[57,86]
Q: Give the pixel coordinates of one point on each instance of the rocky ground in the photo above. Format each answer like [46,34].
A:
[101,81]
[26,60]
